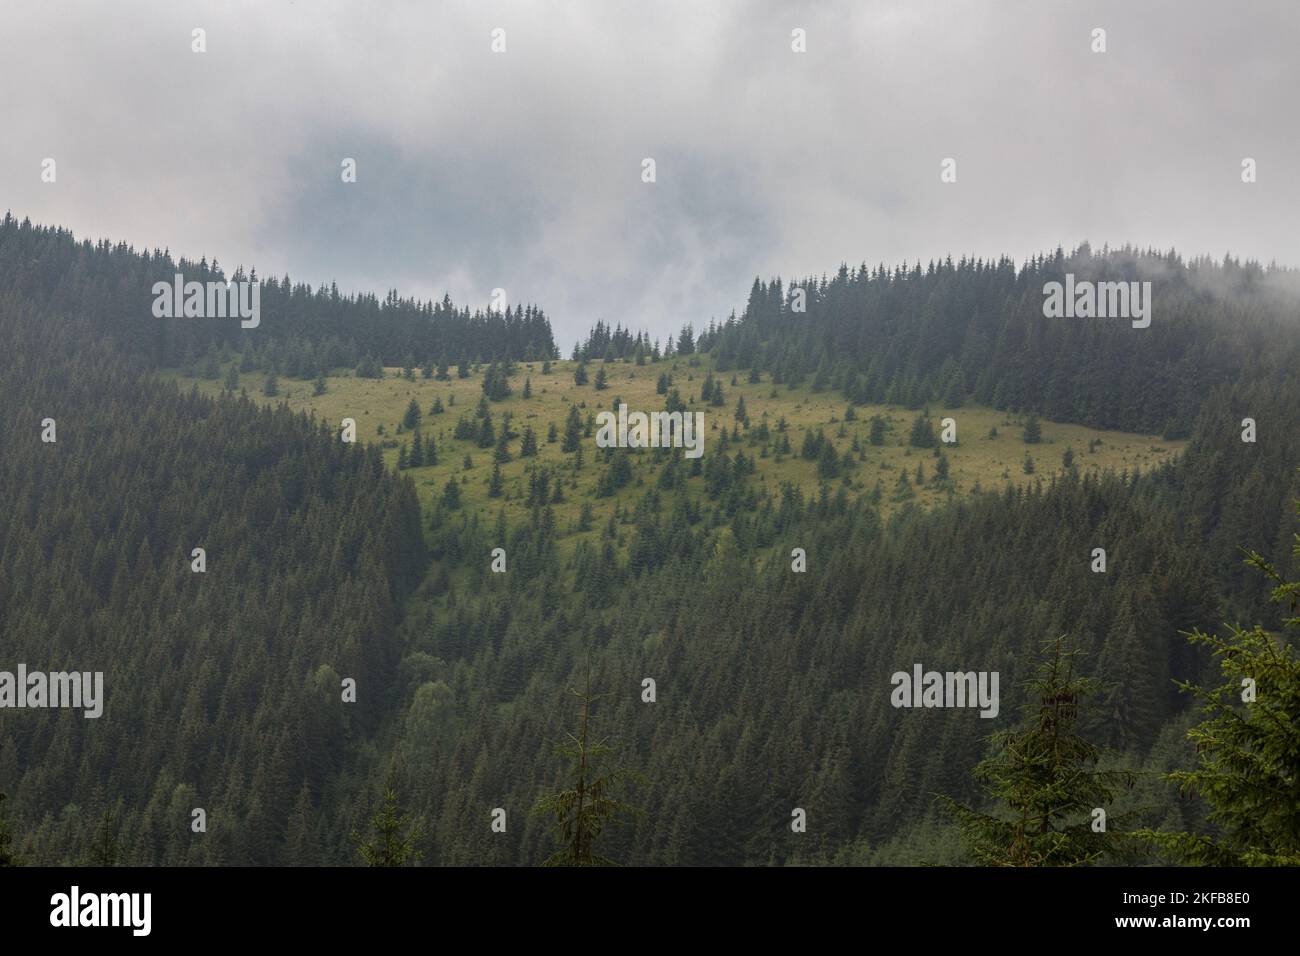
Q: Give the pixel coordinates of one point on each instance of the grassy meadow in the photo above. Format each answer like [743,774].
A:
[990,451]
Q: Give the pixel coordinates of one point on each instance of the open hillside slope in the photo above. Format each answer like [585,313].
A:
[326,561]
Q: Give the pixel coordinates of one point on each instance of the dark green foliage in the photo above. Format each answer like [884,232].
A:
[828,462]
[922,434]
[8,856]
[877,434]
[975,330]
[106,850]
[616,476]
[451,493]
[412,417]
[501,453]
[211,364]
[1248,750]
[312,550]
[583,807]
[114,282]
[496,382]
[528,444]
[393,836]
[486,433]
[1045,780]
[572,430]
[1033,430]
[317,572]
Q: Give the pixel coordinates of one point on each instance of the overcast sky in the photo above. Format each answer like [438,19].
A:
[522,170]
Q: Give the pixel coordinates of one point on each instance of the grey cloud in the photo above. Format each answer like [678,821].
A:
[523,170]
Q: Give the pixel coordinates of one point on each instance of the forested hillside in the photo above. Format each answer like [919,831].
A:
[771,684]
[301,329]
[222,687]
[912,335]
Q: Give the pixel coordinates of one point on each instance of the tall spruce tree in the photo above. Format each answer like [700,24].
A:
[393,834]
[1045,776]
[8,855]
[105,850]
[1248,745]
[583,808]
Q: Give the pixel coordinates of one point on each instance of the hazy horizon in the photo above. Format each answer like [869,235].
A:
[522,170]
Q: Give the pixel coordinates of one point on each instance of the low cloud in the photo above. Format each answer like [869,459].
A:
[522,170]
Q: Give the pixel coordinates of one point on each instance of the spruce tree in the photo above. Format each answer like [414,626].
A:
[451,494]
[877,434]
[1045,777]
[106,851]
[393,834]
[572,430]
[1247,744]
[528,444]
[828,462]
[8,856]
[922,435]
[585,805]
